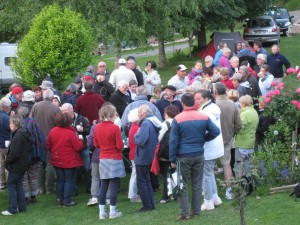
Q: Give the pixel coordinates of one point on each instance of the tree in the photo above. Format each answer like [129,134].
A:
[59,43]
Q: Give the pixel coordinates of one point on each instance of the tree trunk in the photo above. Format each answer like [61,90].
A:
[117,54]
[201,34]
[161,53]
[190,36]
[242,209]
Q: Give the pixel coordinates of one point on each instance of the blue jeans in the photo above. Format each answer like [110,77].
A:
[144,186]
[16,193]
[65,183]
[191,169]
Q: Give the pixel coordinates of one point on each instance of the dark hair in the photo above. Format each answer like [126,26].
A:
[89,85]
[171,111]
[221,45]
[207,94]
[258,43]
[208,70]
[188,100]
[36,88]
[153,64]
[220,88]
[63,120]
[266,67]
[244,63]
[72,88]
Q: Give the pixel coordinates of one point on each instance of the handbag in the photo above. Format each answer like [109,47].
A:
[174,179]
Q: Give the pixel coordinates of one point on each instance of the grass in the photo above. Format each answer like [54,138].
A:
[279,209]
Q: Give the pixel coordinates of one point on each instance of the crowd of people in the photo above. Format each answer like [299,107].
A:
[48,138]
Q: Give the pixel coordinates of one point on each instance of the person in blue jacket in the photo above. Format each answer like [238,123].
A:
[189,131]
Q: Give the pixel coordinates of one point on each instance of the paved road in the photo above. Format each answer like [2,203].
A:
[296,15]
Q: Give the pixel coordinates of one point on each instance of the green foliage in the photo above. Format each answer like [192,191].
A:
[58,43]
[275,157]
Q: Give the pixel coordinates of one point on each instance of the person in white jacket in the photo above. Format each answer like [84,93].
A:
[265,80]
[212,151]
[151,77]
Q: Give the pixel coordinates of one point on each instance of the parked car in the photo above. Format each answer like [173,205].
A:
[261,28]
[282,18]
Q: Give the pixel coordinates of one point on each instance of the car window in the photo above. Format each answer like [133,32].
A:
[280,14]
[260,23]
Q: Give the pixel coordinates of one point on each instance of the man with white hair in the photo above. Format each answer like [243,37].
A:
[5,107]
[139,100]
[44,113]
[119,97]
[146,140]
[122,73]
[103,70]
[224,59]
[131,64]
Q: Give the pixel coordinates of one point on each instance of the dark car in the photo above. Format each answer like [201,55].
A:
[282,18]
[263,29]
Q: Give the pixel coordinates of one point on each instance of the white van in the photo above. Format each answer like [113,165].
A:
[7,52]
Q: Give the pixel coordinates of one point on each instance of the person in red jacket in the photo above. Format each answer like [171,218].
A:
[108,138]
[64,147]
[89,103]
[224,72]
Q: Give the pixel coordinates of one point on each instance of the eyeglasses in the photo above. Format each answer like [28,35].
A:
[102,66]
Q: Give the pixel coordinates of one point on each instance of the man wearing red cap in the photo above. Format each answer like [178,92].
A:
[16,97]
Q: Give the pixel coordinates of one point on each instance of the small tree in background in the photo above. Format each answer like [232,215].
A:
[59,43]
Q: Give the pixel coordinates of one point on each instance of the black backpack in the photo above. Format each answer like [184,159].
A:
[164,143]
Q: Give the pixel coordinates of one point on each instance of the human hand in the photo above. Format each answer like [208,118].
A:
[173,165]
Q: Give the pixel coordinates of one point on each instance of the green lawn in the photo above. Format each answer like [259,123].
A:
[279,209]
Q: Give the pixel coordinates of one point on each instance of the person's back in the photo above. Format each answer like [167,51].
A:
[44,114]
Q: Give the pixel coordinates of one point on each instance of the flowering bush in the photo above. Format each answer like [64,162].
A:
[274,160]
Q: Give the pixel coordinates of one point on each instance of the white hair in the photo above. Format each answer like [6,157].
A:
[123,82]
[67,106]
[133,115]
[48,94]
[262,56]
[5,102]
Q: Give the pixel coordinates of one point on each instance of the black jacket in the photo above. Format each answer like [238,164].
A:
[84,122]
[120,101]
[17,159]
[105,89]
[139,76]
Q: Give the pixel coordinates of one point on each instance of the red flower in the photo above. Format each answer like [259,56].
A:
[268,100]
[295,102]
[274,83]
[269,94]
[276,92]
[280,86]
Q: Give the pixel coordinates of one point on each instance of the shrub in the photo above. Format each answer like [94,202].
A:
[58,43]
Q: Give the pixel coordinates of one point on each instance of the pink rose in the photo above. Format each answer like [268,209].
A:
[269,94]
[295,102]
[298,76]
[274,83]
[268,100]
[298,90]
[280,86]
[298,105]
[276,92]
[291,70]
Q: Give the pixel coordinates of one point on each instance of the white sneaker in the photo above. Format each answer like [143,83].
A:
[228,194]
[217,200]
[102,216]
[207,205]
[6,213]
[115,215]
[92,201]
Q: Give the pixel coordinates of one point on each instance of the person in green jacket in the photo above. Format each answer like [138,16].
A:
[245,138]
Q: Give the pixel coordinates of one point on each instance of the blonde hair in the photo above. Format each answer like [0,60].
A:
[224,71]
[107,113]
[233,95]
[233,58]
[246,100]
